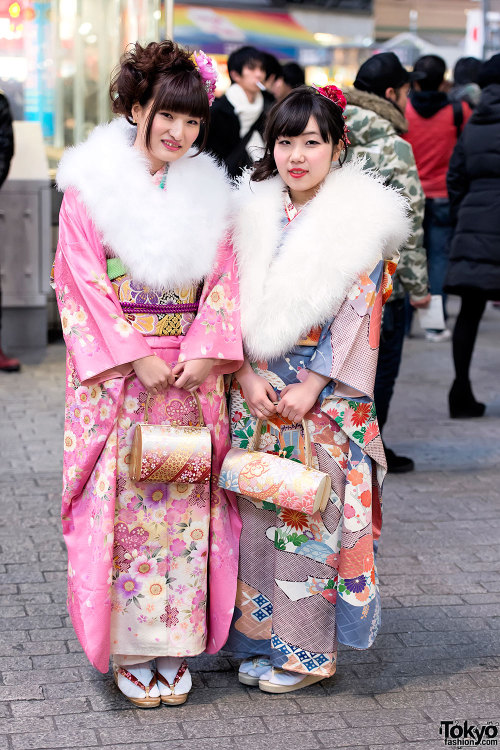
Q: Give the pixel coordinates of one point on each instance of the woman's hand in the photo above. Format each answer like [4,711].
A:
[191,374]
[297,399]
[259,395]
[154,374]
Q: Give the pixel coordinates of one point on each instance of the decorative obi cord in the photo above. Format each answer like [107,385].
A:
[168,313]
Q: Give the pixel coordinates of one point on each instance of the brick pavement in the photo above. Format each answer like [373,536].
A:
[437,658]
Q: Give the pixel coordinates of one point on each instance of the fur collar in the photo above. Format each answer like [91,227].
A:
[382,107]
[167,238]
[352,223]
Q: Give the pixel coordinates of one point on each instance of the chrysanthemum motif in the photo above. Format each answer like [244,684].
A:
[356,585]
[295,519]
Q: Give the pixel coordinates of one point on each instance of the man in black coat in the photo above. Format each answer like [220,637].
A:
[7,364]
[238,118]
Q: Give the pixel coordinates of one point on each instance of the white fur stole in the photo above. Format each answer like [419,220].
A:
[166,238]
[352,223]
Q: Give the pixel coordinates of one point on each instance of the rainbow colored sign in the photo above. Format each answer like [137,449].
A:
[215,27]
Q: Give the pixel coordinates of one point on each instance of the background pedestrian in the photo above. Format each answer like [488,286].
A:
[434,126]
[238,117]
[465,81]
[7,364]
[376,122]
[293,76]
[474,267]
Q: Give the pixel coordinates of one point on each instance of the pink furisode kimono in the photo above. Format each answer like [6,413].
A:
[142,268]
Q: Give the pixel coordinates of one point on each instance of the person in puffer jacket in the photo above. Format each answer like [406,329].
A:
[474,267]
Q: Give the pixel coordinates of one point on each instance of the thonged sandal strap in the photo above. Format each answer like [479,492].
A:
[163,680]
[180,673]
[137,682]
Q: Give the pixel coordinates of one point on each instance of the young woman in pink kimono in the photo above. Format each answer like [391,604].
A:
[147,292]
[322,235]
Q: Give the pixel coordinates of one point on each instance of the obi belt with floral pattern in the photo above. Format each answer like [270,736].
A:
[154,313]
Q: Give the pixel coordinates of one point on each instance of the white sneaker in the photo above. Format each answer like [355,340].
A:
[436,337]
[251,670]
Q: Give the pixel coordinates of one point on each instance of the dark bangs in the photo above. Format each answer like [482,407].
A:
[182,92]
[290,117]
[292,120]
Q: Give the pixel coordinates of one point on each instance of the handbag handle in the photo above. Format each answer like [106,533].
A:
[253,444]
[201,421]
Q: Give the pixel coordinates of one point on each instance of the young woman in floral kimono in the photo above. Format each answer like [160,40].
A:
[146,286]
[314,242]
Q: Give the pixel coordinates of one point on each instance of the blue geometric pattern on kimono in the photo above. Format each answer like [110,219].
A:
[317,551]
[354,628]
[243,647]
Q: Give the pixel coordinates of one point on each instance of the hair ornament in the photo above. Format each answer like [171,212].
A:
[333,93]
[208,73]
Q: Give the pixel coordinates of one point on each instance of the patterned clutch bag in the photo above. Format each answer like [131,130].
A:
[171,452]
[278,480]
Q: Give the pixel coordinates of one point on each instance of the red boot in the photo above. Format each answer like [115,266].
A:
[8,364]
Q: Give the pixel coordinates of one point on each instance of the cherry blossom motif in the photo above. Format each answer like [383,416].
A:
[170,616]
[143,566]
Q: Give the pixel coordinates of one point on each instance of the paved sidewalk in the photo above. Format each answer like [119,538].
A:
[437,658]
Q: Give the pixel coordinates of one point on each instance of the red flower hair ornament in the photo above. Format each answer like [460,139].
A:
[333,93]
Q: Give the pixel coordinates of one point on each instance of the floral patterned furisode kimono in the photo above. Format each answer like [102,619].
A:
[312,286]
[142,268]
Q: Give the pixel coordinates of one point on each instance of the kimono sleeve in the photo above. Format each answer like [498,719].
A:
[347,350]
[100,341]
[216,332]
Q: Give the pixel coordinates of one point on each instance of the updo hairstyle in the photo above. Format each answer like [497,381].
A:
[162,72]
[290,117]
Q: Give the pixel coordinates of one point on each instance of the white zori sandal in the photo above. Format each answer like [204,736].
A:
[281,681]
[174,679]
[138,684]
[251,670]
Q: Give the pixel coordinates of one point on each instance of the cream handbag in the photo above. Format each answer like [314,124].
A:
[171,452]
[278,480]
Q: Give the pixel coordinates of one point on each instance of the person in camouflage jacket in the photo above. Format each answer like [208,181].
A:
[375,121]
[375,127]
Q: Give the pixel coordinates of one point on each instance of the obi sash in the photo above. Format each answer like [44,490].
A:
[154,313]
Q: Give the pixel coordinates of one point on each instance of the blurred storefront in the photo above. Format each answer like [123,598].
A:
[56,57]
